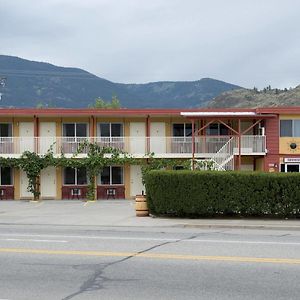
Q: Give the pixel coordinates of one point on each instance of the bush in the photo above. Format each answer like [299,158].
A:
[213,193]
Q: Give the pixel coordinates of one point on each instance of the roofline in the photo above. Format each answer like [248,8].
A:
[146,111]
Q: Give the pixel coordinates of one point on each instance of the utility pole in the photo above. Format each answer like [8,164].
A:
[2,85]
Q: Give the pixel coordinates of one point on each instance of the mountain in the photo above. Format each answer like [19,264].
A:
[253,98]
[29,83]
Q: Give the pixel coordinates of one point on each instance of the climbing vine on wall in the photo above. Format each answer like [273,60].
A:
[32,164]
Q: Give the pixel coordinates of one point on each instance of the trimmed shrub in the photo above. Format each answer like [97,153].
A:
[213,193]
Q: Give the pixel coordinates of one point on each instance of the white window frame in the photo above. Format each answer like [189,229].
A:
[219,130]
[76,179]
[7,139]
[293,128]
[110,136]
[183,138]
[288,164]
[110,177]
[76,137]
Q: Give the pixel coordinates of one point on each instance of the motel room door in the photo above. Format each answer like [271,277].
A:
[137,138]
[48,136]
[136,185]
[158,137]
[26,136]
[48,183]
[23,186]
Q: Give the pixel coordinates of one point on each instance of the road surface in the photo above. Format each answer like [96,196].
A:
[82,262]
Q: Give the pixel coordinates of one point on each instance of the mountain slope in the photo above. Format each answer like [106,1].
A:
[254,98]
[29,83]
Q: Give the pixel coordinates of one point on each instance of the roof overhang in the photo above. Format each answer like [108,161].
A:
[225,114]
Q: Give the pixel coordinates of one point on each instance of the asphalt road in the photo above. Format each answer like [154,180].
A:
[65,262]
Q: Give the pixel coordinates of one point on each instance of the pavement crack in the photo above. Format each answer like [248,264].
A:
[97,280]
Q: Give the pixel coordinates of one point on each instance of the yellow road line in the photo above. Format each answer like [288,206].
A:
[154,255]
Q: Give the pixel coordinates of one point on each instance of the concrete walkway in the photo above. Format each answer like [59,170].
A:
[119,213]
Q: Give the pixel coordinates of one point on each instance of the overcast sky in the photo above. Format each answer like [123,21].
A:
[245,42]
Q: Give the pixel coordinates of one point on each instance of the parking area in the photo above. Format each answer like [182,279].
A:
[74,212]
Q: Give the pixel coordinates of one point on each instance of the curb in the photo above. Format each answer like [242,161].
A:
[258,226]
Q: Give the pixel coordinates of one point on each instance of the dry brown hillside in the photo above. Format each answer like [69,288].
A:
[254,98]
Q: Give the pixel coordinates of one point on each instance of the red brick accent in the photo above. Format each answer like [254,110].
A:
[102,191]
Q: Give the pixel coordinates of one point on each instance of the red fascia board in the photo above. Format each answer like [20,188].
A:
[281,110]
[136,112]
[105,112]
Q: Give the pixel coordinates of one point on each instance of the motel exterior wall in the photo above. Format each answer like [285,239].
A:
[150,123]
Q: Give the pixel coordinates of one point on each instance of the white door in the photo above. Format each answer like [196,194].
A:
[23,185]
[158,137]
[48,183]
[26,136]
[136,185]
[137,138]
[47,136]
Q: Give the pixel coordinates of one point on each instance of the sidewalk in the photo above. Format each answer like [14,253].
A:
[119,213]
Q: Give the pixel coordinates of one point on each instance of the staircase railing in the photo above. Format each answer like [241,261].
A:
[224,158]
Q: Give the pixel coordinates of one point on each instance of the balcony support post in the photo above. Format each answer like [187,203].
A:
[193,144]
[92,129]
[148,135]
[239,142]
[35,132]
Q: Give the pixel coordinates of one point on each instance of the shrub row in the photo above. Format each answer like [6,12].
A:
[213,193]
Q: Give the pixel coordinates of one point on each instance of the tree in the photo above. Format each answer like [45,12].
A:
[100,103]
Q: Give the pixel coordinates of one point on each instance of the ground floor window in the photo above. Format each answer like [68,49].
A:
[112,175]
[75,176]
[6,176]
[290,168]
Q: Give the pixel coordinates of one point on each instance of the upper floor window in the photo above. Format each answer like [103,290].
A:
[217,129]
[5,129]
[75,129]
[290,128]
[182,129]
[110,129]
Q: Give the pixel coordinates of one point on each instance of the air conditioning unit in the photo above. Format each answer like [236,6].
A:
[76,192]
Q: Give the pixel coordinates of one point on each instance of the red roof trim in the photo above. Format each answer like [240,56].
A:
[125,111]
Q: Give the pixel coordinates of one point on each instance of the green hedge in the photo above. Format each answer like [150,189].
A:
[213,193]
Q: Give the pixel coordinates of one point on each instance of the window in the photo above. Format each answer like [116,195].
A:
[110,129]
[112,175]
[6,176]
[182,130]
[75,176]
[5,130]
[217,129]
[75,130]
[290,128]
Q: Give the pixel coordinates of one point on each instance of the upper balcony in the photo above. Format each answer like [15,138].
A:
[169,147]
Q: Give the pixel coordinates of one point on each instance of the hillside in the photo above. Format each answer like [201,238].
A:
[254,98]
[30,83]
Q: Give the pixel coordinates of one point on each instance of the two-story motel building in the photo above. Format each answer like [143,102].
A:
[262,139]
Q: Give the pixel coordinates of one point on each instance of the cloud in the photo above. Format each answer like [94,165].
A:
[244,42]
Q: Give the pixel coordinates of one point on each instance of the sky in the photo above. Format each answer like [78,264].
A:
[244,42]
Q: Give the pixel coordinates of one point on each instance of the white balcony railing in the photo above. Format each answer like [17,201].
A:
[134,145]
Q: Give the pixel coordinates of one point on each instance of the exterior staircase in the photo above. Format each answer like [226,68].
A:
[223,160]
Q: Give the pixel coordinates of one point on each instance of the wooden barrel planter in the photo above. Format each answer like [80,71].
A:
[141,207]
